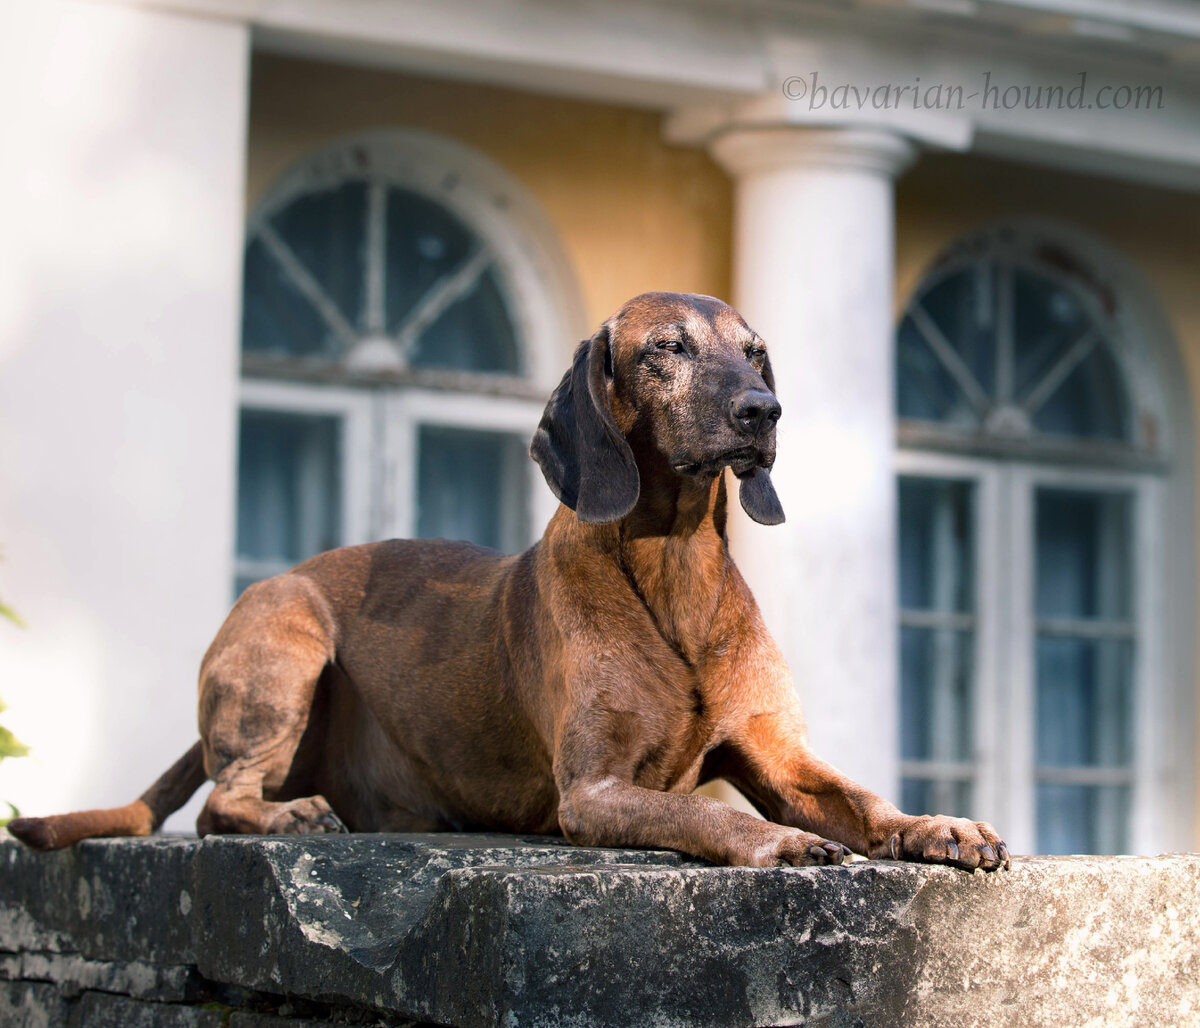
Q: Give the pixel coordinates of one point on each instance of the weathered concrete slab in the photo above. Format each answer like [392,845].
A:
[497,930]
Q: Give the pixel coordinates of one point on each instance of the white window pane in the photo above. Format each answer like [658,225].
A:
[1083,560]
[1084,702]
[276,316]
[937,641]
[473,485]
[326,230]
[964,308]
[1047,320]
[1082,818]
[289,486]
[935,694]
[362,261]
[936,544]
[473,334]
[425,243]
[929,796]
[1084,660]
[925,390]
[324,234]
[1091,402]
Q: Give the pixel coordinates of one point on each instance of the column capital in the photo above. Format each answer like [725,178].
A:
[747,150]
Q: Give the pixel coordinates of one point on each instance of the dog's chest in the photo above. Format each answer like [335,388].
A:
[674,746]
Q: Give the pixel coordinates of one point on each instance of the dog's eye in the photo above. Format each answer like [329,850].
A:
[756,354]
[670,345]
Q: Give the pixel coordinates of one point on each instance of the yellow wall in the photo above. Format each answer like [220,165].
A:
[632,212]
[1155,230]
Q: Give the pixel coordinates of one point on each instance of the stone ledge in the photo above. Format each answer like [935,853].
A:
[477,930]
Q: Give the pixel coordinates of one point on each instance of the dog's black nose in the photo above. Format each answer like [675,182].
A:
[754,411]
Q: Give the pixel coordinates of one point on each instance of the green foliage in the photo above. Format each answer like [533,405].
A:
[10,745]
[7,612]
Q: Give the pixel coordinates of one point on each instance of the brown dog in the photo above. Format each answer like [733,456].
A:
[585,686]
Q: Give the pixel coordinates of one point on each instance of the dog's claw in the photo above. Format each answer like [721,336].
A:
[332,823]
[895,846]
[827,852]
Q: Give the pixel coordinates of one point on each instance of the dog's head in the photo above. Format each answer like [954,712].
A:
[673,374]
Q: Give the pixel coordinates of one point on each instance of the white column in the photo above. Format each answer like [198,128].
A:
[121,200]
[813,274]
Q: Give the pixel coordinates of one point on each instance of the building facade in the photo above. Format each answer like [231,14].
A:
[282,277]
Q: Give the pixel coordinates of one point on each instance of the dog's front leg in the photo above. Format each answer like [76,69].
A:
[780,772]
[769,759]
[609,812]
[601,806]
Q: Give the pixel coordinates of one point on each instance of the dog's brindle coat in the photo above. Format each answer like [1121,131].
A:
[586,686]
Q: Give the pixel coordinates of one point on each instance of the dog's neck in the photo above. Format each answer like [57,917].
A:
[673,550]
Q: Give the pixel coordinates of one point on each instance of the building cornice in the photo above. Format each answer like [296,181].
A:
[710,64]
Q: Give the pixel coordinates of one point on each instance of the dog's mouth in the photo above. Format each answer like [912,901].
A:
[742,460]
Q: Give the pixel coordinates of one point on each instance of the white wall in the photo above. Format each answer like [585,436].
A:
[121,185]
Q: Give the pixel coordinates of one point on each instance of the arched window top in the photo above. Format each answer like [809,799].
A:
[399,252]
[375,275]
[1012,343]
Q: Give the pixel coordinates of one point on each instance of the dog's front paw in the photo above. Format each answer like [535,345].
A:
[794,848]
[946,840]
[311,815]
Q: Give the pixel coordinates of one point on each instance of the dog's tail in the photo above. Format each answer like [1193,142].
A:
[141,817]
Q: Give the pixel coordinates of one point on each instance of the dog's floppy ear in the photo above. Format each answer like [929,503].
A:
[587,462]
[759,498]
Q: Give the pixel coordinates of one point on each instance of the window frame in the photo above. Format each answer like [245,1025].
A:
[1147,806]
[1161,464]
[406,411]
[533,269]
[382,410]
[987,653]
[1004,675]
[354,409]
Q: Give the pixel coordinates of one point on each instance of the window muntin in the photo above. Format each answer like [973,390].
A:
[376,276]
[1000,348]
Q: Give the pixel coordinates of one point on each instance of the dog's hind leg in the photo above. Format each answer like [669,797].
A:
[259,682]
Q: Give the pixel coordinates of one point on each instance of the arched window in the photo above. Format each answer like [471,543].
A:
[405,313]
[1033,462]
